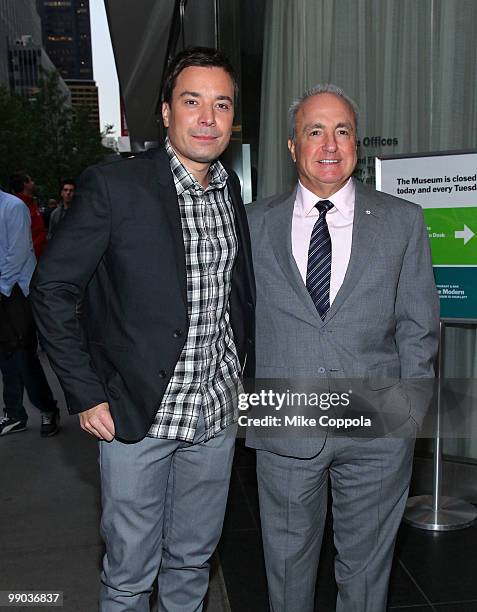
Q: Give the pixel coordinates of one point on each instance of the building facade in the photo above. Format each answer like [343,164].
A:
[84,94]
[17,19]
[66,32]
[26,62]
[67,36]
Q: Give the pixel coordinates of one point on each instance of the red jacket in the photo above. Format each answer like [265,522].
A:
[38,231]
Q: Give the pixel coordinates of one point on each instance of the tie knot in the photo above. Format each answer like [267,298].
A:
[324,206]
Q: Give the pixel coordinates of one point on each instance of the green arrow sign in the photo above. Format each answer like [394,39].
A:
[453,235]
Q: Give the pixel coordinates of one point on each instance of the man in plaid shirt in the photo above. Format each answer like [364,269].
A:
[154,366]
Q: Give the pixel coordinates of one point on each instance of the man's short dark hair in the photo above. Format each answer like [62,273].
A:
[17,181]
[67,181]
[195,56]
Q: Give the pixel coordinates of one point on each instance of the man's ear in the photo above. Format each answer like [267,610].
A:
[165,110]
[291,148]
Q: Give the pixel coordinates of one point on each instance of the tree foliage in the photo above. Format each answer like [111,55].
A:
[46,137]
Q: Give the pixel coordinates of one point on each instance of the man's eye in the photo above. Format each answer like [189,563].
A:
[191,102]
[315,133]
[343,132]
[223,106]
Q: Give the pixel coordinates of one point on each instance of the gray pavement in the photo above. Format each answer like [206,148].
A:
[50,506]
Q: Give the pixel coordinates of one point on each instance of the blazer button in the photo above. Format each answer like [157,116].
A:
[114,393]
[321,370]
[162,373]
[249,304]
[177,333]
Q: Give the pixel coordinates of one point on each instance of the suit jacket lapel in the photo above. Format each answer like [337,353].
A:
[241,227]
[279,227]
[366,224]
[168,200]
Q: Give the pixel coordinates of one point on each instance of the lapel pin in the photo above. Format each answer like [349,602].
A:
[368,212]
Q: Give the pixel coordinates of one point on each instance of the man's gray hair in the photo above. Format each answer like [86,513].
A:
[318,89]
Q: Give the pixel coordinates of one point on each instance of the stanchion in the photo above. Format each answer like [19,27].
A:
[437,512]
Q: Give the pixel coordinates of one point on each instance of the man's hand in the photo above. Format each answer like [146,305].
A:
[98,422]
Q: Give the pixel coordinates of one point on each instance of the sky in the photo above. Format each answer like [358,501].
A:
[104,68]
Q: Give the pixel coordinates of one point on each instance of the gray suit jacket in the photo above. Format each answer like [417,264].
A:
[381,330]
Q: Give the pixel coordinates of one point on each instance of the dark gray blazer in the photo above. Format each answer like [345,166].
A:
[122,244]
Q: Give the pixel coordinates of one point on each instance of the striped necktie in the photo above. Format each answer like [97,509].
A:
[318,271]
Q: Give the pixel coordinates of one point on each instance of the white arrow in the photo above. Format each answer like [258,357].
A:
[466,234]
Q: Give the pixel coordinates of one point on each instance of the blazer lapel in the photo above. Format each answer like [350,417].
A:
[366,225]
[168,200]
[241,227]
[279,227]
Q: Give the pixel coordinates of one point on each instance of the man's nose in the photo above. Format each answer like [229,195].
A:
[330,143]
[207,116]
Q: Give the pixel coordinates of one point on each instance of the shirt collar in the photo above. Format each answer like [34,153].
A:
[185,181]
[343,199]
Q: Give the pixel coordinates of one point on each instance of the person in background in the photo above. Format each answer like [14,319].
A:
[23,186]
[19,362]
[67,192]
[46,211]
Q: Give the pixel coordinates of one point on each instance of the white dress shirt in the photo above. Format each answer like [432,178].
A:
[340,226]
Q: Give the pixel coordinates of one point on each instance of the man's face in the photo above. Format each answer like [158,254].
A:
[67,193]
[199,118]
[324,147]
[29,186]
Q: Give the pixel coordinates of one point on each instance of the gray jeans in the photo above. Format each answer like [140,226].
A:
[163,509]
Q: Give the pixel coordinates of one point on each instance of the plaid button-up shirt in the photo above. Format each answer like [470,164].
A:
[207,375]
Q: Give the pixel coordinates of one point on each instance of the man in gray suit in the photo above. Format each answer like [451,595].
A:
[345,290]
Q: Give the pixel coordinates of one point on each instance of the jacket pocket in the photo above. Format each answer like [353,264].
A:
[383,375]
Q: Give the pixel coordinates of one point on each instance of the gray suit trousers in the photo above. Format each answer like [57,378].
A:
[369,484]
[163,509]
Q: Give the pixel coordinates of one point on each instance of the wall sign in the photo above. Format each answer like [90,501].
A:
[445,185]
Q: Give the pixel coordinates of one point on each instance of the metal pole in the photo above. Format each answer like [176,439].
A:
[437,459]
[181,17]
[217,24]
[437,512]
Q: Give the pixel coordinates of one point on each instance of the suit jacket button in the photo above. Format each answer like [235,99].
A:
[249,304]
[321,370]
[162,373]
[114,393]
[177,333]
